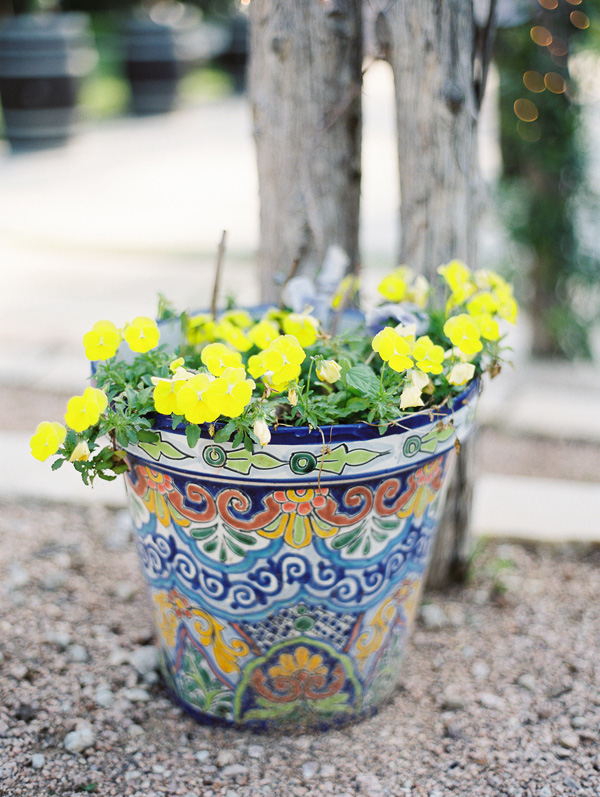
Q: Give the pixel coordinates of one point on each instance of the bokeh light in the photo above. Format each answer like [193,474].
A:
[555,82]
[550,5]
[541,35]
[526,110]
[579,19]
[529,132]
[534,81]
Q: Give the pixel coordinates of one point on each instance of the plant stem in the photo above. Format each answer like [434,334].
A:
[218,267]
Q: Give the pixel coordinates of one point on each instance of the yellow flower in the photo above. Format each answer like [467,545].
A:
[233,335]
[464,333]
[507,306]
[176,364]
[419,291]
[257,365]
[410,397]
[487,326]
[329,371]
[95,398]
[193,401]
[394,285]
[345,291]
[166,395]
[262,431]
[418,379]
[283,359]
[241,318]
[81,452]
[303,326]
[201,328]
[102,341]
[47,439]
[482,302]
[460,373]
[429,357]
[393,348]
[456,275]
[263,333]
[142,334]
[217,357]
[231,392]
[84,411]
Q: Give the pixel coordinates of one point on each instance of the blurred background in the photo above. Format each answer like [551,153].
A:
[127,148]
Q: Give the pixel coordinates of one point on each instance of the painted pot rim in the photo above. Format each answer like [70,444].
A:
[345,431]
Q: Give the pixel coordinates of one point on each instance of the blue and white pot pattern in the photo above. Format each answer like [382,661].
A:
[284,582]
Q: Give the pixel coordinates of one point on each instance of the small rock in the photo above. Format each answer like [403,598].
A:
[254,751]
[145,659]
[60,639]
[368,782]
[455,615]
[527,681]
[568,739]
[38,760]
[328,771]
[562,752]
[435,793]
[135,730]
[136,695]
[226,757]
[133,775]
[150,678]
[452,730]
[26,712]
[118,538]
[468,651]
[303,742]
[79,740]
[570,783]
[231,793]
[480,669]
[54,580]
[104,697]
[78,653]
[433,617]
[453,699]
[545,791]
[489,700]
[309,769]
[202,756]
[578,722]
[125,591]
[117,657]
[18,577]
[235,771]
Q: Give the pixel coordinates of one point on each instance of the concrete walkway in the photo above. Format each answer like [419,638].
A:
[136,206]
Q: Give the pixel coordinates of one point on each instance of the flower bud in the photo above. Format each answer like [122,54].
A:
[292,398]
[81,452]
[410,397]
[329,371]
[461,373]
[262,431]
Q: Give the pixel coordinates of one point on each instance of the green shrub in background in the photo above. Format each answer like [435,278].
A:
[544,182]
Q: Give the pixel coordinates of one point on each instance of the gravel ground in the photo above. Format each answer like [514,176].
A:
[500,692]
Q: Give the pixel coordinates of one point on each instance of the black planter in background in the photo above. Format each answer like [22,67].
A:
[42,60]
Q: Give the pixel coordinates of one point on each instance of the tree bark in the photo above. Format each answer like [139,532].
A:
[305,78]
[439,57]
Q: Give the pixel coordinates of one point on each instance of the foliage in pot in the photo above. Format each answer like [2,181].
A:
[285,482]
[43,57]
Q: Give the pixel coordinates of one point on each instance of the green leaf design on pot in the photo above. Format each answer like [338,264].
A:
[201,689]
[162,449]
[365,538]
[339,457]
[241,461]
[429,442]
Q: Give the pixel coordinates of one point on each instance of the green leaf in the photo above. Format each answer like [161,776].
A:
[146,436]
[222,435]
[57,464]
[362,380]
[155,450]
[193,433]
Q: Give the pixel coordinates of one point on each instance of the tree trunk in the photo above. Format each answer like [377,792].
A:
[305,78]
[439,56]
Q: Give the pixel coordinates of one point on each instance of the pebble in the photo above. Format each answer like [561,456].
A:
[117,657]
[304,742]
[328,771]
[452,698]
[54,581]
[38,760]
[136,695]
[203,755]
[309,769]
[135,730]
[480,669]
[133,775]
[78,653]
[570,783]
[226,757]
[18,577]
[568,739]
[527,681]
[235,771]
[125,591]
[79,740]
[145,659]
[60,639]
[433,617]
[254,751]
[488,700]
[578,722]
[545,791]
[104,697]
[368,783]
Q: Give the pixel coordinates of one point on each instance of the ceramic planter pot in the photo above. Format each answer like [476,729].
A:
[284,583]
